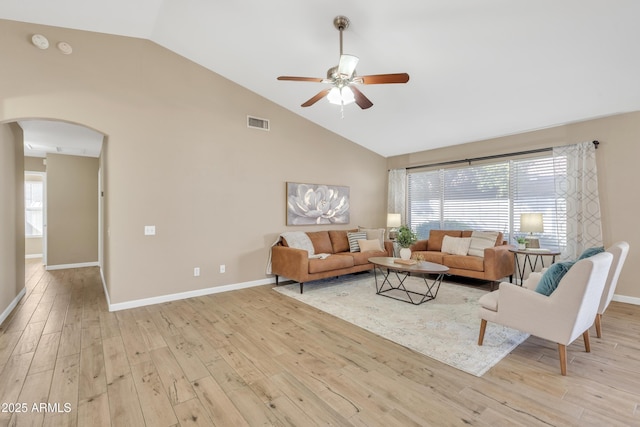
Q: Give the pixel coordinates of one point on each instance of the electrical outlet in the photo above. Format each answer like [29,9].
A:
[149,230]
[196,271]
[222,268]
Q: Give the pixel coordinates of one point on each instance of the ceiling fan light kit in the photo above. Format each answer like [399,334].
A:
[343,78]
[341,96]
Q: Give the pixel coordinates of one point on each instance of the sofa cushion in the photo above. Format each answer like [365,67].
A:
[339,240]
[361,258]
[333,262]
[463,262]
[489,301]
[436,236]
[456,245]
[481,240]
[321,242]
[430,256]
[353,240]
[370,245]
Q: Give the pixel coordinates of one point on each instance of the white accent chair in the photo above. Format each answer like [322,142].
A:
[560,317]
[619,250]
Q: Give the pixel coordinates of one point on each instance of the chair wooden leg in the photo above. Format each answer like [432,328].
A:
[301,286]
[483,327]
[599,325]
[587,344]
[562,352]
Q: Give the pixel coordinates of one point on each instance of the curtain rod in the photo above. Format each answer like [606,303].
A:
[496,156]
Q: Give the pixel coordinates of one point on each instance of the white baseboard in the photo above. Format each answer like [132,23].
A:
[626,299]
[78,265]
[184,295]
[31,256]
[13,305]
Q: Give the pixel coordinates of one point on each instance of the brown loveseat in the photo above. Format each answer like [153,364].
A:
[496,263]
[295,264]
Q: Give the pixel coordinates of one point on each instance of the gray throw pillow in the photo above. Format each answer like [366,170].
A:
[353,240]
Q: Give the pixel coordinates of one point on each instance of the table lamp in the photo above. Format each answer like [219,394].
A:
[531,223]
[394,220]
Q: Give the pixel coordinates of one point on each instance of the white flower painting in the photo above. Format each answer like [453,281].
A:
[311,204]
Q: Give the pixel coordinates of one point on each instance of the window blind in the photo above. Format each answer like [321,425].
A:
[488,197]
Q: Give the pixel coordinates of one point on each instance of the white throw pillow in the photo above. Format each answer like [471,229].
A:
[456,245]
[374,233]
[369,245]
[481,240]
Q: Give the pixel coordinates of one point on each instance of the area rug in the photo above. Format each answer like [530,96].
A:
[445,329]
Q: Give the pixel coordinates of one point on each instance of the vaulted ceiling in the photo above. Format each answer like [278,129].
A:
[479,68]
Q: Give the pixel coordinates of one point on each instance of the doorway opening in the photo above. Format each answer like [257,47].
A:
[69,223]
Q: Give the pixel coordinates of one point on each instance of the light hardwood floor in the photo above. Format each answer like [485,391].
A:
[255,357]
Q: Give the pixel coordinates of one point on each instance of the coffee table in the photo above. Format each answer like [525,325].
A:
[389,268]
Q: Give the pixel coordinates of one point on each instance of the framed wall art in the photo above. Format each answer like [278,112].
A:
[313,204]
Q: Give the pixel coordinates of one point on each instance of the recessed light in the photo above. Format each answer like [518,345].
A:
[40,41]
[65,48]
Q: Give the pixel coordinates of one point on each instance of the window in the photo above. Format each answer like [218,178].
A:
[533,190]
[488,197]
[33,203]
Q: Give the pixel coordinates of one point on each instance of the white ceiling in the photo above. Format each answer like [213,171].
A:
[479,68]
[48,136]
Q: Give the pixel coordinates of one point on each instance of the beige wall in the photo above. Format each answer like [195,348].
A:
[618,174]
[33,247]
[11,215]
[34,164]
[72,210]
[180,156]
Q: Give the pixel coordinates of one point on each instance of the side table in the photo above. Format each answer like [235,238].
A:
[536,254]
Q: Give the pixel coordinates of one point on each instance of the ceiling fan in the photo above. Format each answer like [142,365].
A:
[344,80]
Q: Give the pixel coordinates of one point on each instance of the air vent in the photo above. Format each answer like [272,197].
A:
[257,123]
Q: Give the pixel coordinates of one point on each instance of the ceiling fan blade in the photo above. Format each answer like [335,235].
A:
[301,79]
[316,98]
[347,65]
[384,78]
[362,101]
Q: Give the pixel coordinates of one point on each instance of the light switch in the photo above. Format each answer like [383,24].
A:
[149,230]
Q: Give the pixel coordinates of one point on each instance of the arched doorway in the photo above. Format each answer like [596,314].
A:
[69,157]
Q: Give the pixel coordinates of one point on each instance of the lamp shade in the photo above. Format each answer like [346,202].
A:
[531,223]
[394,220]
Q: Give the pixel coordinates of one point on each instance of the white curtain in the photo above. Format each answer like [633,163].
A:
[579,188]
[397,197]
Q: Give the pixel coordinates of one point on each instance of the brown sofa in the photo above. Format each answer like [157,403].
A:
[295,264]
[496,264]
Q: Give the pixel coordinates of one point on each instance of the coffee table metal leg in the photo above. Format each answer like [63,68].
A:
[431,289]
